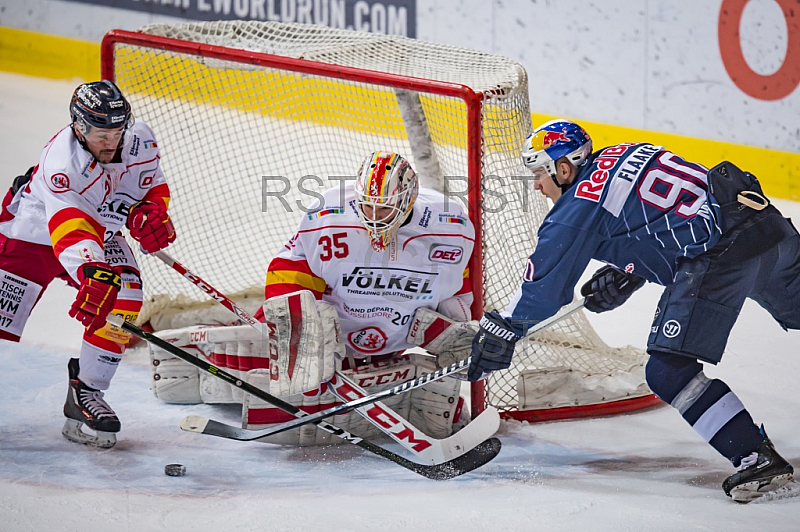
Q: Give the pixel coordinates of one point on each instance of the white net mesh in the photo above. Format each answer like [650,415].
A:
[245,148]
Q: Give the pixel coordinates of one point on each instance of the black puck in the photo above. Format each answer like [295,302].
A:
[175,470]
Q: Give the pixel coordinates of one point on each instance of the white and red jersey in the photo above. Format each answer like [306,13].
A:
[74,203]
[376,293]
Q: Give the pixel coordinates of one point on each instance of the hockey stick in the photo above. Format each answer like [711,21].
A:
[473,459]
[215,428]
[427,449]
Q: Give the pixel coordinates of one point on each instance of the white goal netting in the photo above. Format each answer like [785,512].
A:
[247,139]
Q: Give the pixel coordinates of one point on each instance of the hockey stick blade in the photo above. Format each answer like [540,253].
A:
[481,454]
[423,447]
[453,468]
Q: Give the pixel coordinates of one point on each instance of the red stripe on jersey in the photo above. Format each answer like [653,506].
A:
[278,265]
[87,187]
[73,238]
[73,213]
[361,227]
[159,195]
[290,265]
[128,305]
[103,343]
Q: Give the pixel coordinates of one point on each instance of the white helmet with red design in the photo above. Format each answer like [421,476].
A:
[386,188]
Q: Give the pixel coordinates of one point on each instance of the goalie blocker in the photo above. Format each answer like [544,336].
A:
[306,332]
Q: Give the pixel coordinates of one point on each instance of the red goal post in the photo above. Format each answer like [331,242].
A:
[230,101]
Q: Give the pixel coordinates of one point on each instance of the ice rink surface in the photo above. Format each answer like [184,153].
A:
[641,471]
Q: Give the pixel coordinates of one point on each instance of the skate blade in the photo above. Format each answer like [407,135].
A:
[72,431]
[787,491]
[772,490]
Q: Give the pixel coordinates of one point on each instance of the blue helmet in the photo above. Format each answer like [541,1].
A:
[553,140]
[99,104]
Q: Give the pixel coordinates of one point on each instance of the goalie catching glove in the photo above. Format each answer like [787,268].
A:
[609,288]
[150,225]
[96,295]
[449,340]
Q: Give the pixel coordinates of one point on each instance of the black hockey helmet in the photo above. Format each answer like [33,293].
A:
[99,104]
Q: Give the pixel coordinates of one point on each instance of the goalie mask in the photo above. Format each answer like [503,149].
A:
[386,188]
[550,142]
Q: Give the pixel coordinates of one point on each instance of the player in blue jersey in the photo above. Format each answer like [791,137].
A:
[710,237]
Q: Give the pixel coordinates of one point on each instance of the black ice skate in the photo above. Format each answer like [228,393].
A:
[85,405]
[762,472]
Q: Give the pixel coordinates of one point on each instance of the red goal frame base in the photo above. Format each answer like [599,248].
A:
[583,411]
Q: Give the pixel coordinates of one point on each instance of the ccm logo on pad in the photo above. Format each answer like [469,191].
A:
[445,253]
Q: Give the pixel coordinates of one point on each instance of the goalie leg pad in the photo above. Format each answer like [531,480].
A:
[235,349]
[257,414]
[174,381]
[305,339]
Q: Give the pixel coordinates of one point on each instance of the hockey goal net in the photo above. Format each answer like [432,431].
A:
[253,118]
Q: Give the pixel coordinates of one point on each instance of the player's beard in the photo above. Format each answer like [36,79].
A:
[106,156]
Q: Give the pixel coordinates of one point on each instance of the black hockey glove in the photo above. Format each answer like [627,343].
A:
[492,347]
[609,288]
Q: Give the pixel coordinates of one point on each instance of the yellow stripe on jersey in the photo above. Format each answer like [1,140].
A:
[311,282]
[73,225]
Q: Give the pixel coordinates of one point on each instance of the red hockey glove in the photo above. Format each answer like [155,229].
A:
[150,225]
[96,295]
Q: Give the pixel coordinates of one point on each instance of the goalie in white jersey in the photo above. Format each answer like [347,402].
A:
[62,219]
[387,264]
[377,252]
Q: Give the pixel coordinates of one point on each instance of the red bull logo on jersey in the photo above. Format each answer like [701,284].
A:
[592,189]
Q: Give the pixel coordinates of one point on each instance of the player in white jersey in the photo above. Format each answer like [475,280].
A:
[63,219]
[362,264]
[377,251]
[377,270]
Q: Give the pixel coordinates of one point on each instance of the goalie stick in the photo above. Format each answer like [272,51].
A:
[476,457]
[421,446]
[215,428]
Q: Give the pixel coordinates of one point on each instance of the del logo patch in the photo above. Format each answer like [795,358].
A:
[446,254]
